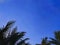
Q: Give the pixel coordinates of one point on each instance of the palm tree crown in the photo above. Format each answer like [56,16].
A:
[56,40]
[10,36]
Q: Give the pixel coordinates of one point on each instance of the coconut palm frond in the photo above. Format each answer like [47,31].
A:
[8,26]
[23,42]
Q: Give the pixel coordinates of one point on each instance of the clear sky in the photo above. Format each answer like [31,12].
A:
[39,18]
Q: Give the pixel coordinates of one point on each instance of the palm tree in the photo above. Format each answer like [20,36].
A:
[11,37]
[56,39]
[44,41]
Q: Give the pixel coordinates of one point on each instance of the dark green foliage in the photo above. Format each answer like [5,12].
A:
[56,40]
[8,37]
[23,41]
[57,35]
[45,41]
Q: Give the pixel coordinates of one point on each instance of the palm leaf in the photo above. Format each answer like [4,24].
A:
[54,41]
[14,30]
[15,37]
[8,26]
[22,41]
[57,35]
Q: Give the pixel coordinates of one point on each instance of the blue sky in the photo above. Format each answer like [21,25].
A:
[39,18]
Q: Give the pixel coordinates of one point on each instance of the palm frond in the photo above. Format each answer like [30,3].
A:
[22,41]
[8,26]
[15,37]
[12,36]
[14,30]
[57,35]
[54,41]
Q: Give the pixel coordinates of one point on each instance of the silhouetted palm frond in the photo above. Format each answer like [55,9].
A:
[56,40]
[14,30]
[23,42]
[57,35]
[12,36]
[45,41]
[8,26]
